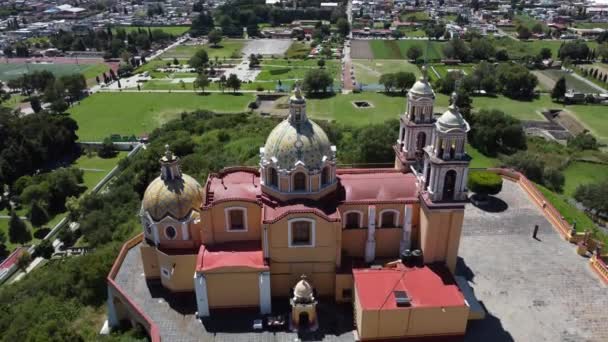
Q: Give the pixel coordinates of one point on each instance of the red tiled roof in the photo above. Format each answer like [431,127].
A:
[323,209]
[378,185]
[427,286]
[233,254]
[233,184]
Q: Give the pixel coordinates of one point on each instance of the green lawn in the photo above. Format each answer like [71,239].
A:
[174,30]
[103,114]
[297,50]
[228,48]
[480,160]
[341,109]
[416,16]
[591,25]
[571,81]
[397,49]
[280,69]
[578,173]
[368,72]
[522,110]
[11,246]
[518,48]
[594,117]
[444,69]
[9,71]
[95,168]
[14,101]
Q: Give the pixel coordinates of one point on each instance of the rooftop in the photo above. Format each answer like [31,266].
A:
[233,184]
[234,254]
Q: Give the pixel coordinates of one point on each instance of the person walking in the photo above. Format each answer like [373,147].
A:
[535,232]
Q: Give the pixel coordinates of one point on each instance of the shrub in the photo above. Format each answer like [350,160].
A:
[484,183]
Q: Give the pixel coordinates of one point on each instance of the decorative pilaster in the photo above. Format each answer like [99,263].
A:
[200,288]
[406,239]
[370,245]
[265,246]
[265,297]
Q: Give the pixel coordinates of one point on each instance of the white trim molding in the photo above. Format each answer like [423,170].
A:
[165,232]
[227,219]
[395,222]
[344,221]
[312,233]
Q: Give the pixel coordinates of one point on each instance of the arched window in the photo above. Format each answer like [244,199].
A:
[170,232]
[236,219]
[420,141]
[299,182]
[452,149]
[301,233]
[388,219]
[273,177]
[449,184]
[325,176]
[352,220]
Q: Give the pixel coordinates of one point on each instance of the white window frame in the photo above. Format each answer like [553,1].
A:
[344,221]
[165,232]
[227,219]
[396,222]
[313,224]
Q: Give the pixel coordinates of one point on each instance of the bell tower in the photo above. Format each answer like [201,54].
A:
[415,125]
[443,188]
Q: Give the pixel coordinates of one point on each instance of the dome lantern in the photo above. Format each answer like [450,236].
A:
[170,165]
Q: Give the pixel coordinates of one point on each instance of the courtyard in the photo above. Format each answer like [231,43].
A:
[533,290]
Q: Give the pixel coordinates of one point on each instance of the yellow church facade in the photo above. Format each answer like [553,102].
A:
[385,240]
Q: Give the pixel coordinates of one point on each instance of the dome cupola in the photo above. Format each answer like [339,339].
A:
[422,87]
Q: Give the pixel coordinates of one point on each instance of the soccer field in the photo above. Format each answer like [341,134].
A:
[9,71]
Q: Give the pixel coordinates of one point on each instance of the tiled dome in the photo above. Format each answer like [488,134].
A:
[175,197]
[291,142]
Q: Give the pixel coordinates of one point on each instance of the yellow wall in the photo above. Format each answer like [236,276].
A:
[393,323]
[217,222]
[387,242]
[150,261]
[353,242]
[431,321]
[343,281]
[440,235]
[183,273]
[234,289]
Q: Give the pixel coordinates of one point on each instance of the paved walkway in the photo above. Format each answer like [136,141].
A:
[533,290]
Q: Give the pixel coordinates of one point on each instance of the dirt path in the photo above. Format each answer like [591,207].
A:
[360,49]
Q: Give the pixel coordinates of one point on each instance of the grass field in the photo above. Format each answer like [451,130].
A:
[228,48]
[95,168]
[571,81]
[591,25]
[397,49]
[517,49]
[480,160]
[578,173]
[594,117]
[443,70]
[341,109]
[9,71]
[415,16]
[174,30]
[280,69]
[103,114]
[522,110]
[297,50]
[567,210]
[369,72]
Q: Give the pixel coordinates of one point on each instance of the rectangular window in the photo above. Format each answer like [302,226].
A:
[165,272]
[301,233]
[347,293]
[237,220]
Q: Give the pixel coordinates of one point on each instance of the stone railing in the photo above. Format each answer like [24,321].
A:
[583,241]
[134,309]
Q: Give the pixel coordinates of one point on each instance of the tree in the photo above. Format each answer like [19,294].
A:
[404,80]
[222,82]
[35,103]
[482,49]
[253,105]
[24,260]
[559,89]
[45,249]
[414,52]
[457,49]
[233,82]
[343,27]
[583,141]
[516,81]
[201,81]
[593,196]
[317,80]
[214,37]
[17,230]
[59,106]
[199,60]
[107,149]
[576,51]
[388,81]
[493,132]
[37,214]
[523,32]
[254,61]
[484,183]
[538,28]
[545,53]
[321,63]
[553,179]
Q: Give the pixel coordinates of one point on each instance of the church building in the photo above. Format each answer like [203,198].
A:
[300,229]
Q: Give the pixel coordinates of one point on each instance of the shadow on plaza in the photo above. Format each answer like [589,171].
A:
[334,319]
[184,303]
[491,204]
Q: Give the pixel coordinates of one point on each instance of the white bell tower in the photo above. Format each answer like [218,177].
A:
[446,163]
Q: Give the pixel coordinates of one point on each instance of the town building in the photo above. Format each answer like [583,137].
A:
[299,229]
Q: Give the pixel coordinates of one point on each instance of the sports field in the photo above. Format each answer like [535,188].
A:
[103,114]
[397,49]
[9,71]
[228,48]
[174,30]
[369,72]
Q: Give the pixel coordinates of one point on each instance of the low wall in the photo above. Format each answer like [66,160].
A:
[556,219]
[133,308]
